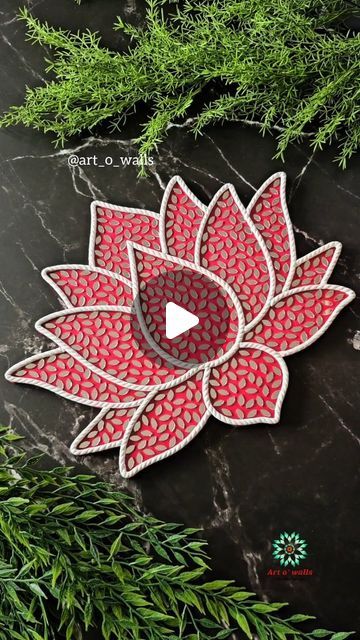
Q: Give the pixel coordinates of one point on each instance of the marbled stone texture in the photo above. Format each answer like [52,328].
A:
[243,486]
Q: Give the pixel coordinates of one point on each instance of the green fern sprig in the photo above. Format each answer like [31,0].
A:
[75,553]
[288,65]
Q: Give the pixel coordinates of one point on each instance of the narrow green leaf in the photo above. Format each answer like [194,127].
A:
[243,623]
[35,588]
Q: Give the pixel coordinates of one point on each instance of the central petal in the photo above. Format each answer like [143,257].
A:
[158,279]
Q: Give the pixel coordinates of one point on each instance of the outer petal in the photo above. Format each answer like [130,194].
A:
[247,389]
[316,267]
[104,432]
[163,424]
[79,285]
[180,217]
[61,373]
[299,317]
[112,227]
[229,245]
[106,340]
[268,210]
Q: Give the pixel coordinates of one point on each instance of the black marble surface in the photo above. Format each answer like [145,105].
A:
[243,486]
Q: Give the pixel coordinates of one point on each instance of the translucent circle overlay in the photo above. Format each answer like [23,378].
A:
[218,322]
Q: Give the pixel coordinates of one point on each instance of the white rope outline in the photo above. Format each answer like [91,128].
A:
[82,435]
[100,372]
[292,246]
[161,456]
[164,204]
[158,388]
[114,207]
[199,241]
[132,248]
[79,267]
[334,244]
[61,392]
[315,287]
[245,421]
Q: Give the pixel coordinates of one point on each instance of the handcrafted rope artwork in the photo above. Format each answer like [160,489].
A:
[234,267]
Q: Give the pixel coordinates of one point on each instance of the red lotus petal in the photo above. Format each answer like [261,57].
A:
[316,267]
[299,317]
[268,210]
[230,246]
[163,424]
[249,388]
[61,373]
[80,286]
[112,227]
[108,343]
[104,432]
[157,279]
[180,218]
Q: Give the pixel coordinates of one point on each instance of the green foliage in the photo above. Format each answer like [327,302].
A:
[76,553]
[289,65]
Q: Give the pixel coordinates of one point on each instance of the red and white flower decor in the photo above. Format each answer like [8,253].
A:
[234,267]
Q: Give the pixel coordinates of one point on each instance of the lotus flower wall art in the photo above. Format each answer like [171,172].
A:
[235,268]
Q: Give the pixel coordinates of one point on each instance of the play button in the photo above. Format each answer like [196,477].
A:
[178,320]
[181,317]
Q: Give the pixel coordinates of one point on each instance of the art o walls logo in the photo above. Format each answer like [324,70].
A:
[289,549]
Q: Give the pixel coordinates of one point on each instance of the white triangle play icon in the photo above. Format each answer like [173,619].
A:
[178,320]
